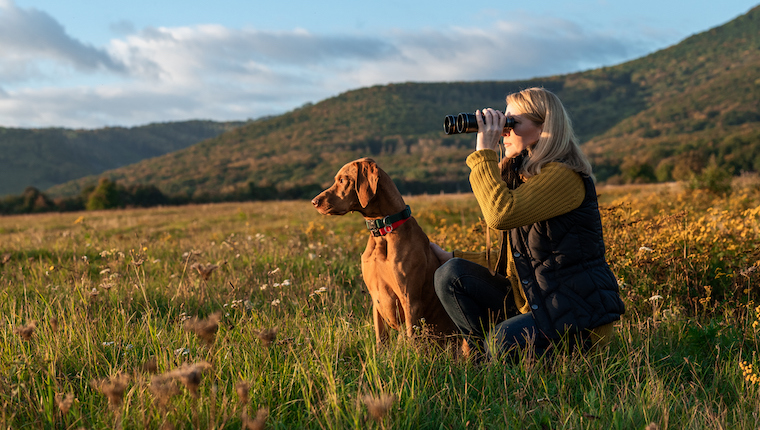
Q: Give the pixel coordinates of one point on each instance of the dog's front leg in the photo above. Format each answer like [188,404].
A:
[381,328]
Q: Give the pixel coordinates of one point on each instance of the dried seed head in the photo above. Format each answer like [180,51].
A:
[204,270]
[242,389]
[64,403]
[379,406]
[54,323]
[26,332]
[113,388]
[163,388]
[190,375]
[150,366]
[267,336]
[256,423]
[205,329]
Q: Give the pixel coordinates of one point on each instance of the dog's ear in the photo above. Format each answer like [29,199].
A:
[366,180]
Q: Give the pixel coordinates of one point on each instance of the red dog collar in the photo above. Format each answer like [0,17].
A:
[383,226]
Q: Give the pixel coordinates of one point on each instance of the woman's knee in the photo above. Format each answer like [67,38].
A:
[445,276]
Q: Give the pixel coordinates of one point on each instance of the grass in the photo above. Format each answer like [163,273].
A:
[254,315]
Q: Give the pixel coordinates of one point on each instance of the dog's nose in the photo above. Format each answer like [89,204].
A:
[315,202]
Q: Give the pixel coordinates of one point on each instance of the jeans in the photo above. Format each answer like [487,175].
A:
[483,308]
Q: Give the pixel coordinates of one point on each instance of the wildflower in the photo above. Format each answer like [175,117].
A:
[655,298]
[113,388]
[748,372]
[379,406]
[318,291]
[646,249]
[205,329]
[267,336]
[26,332]
[64,403]
[263,287]
[285,283]
[276,302]
[181,351]
[272,272]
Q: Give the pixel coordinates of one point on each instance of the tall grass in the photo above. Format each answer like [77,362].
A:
[254,316]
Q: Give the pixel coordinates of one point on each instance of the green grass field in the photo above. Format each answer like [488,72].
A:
[254,315]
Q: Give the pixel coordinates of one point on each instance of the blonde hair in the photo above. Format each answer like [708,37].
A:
[557,141]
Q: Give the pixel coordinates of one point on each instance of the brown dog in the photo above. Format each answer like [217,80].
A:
[398,265]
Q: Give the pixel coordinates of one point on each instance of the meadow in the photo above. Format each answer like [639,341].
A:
[254,315]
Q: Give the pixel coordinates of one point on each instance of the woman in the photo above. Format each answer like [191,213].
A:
[552,280]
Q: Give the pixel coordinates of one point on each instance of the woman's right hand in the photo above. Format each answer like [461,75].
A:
[491,130]
[443,256]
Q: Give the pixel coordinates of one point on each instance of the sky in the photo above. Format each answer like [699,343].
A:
[94,63]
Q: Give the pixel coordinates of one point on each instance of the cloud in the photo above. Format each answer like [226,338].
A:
[215,72]
[28,36]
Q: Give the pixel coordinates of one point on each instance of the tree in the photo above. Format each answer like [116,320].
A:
[104,196]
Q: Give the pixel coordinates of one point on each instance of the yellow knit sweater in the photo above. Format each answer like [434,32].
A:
[556,190]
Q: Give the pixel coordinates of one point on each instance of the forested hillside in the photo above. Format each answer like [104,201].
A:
[658,118]
[45,157]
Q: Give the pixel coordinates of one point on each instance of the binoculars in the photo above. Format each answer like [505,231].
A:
[467,123]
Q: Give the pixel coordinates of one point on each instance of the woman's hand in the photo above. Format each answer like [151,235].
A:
[442,255]
[491,130]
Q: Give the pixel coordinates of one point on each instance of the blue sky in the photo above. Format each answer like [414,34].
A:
[93,63]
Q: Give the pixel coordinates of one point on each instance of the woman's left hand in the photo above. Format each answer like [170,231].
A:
[491,130]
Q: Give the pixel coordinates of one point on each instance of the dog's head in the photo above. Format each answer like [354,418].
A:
[354,188]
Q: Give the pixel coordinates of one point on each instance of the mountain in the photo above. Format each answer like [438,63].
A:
[661,117]
[45,157]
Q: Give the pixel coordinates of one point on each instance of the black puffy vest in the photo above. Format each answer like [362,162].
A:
[561,266]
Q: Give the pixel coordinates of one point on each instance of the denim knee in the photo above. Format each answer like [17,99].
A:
[446,276]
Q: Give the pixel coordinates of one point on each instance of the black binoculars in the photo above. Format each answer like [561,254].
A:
[467,123]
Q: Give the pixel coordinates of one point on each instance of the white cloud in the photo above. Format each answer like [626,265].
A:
[29,37]
[210,71]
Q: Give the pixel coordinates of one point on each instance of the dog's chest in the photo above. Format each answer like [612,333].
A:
[376,251]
